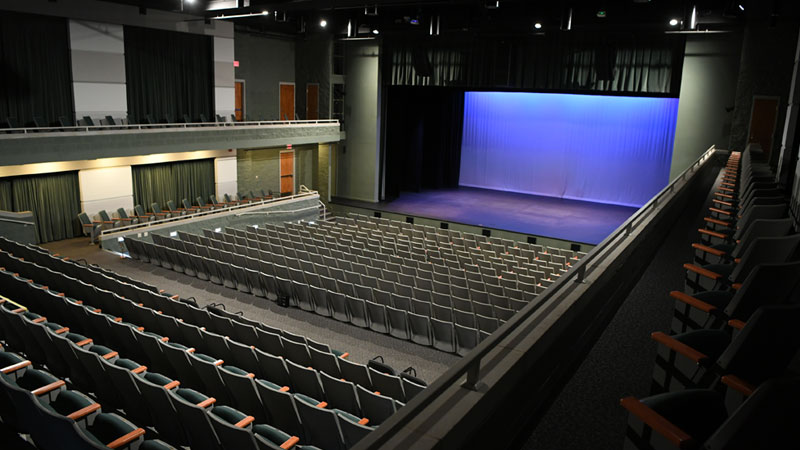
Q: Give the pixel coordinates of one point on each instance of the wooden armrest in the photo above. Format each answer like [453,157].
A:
[91,225]
[658,423]
[110,355]
[738,384]
[693,302]
[708,249]
[14,367]
[127,439]
[207,402]
[345,355]
[245,422]
[702,272]
[219,362]
[363,421]
[84,342]
[322,405]
[62,330]
[127,219]
[736,286]
[49,388]
[736,323]
[717,221]
[291,442]
[18,310]
[139,369]
[284,389]
[720,211]
[716,234]
[172,384]
[679,347]
[723,202]
[725,183]
[720,194]
[39,319]
[726,189]
[175,297]
[83,412]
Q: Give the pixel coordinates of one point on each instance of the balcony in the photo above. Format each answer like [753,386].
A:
[38,145]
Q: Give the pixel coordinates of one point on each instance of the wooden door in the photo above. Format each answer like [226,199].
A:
[287,101]
[287,172]
[239,101]
[762,122]
[312,101]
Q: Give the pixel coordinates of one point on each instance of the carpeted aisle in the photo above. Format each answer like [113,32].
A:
[362,344]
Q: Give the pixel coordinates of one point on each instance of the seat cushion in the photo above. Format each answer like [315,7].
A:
[9,359]
[271,434]
[698,412]
[190,395]
[720,299]
[234,369]
[157,378]
[126,363]
[34,379]
[228,414]
[710,342]
[109,427]
[68,402]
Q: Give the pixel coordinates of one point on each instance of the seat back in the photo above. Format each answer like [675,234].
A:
[377,408]
[320,426]
[765,250]
[280,406]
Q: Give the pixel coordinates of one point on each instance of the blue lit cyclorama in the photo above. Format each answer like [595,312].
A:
[604,149]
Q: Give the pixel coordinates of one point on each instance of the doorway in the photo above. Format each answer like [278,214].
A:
[286,106]
[287,172]
[312,101]
[239,105]
[763,119]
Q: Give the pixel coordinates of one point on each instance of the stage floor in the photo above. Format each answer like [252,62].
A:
[571,220]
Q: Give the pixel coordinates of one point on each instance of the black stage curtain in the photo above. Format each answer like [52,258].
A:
[573,61]
[423,138]
[168,74]
[173,181]
[54,200]
[35,69]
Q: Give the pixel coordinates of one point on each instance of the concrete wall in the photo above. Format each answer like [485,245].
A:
[98,69]
[358,157]
[224,90]
[767,61]
[708,92]
[264,62]
[313,65]
[260,168]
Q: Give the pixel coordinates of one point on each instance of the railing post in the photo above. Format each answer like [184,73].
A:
[629,228]
[581,274]
[473,373]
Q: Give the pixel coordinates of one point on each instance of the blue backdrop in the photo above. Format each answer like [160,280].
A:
[606,149]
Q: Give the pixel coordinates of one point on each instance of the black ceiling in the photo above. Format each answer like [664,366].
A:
[512,17]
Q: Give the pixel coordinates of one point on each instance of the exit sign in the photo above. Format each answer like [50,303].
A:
[236,64]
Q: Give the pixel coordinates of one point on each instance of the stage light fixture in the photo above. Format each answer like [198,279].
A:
[693,20]
[537,25]
[376,31]
[741,6]
[414,21]
[673,22]
[323,23]
[601,13]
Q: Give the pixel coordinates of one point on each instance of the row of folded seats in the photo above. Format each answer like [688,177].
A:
[431,300]
[88,121]
[273,389]
[92,226]
[726,376]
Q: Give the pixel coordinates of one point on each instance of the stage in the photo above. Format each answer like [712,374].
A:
[570,220]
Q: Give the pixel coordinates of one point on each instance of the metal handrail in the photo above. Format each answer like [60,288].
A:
[3,219]
[139,226]
[172,126]
[469,365]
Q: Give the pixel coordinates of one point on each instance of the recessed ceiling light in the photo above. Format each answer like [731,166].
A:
[323,23]
[537,25]
[673,22]
[375,31]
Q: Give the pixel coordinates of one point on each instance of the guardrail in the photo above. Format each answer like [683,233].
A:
[145,225]
[470,364]
[172,126]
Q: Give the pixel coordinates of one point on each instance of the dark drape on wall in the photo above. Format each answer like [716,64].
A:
[35,68]
[423,138]
[172,181]
[168,74]
[572,61]
[54,200]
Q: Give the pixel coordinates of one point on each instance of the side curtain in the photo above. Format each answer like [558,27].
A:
[35,68]
[54,200]
[173,181]
[423,140]
[168,74]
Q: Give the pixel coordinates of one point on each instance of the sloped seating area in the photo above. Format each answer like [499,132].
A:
[726,376]
[439,288]
[187,375]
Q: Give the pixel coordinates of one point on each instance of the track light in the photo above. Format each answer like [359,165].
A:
[741,6]
[323,23]
[240,16]
[693,20]
[376,31]
[673,22]
[537,25]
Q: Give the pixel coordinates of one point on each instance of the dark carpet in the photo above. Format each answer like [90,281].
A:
[362,344]
[570,220]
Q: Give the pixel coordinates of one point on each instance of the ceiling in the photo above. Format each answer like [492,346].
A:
[505,17]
